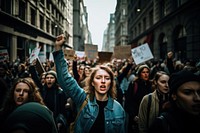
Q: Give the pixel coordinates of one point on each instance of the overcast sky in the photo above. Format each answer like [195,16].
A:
[98,18]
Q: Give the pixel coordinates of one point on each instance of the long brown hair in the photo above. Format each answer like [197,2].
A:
[90,89]
[156,77]
[33,95]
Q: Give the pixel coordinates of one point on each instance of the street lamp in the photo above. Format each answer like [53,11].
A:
[138,9]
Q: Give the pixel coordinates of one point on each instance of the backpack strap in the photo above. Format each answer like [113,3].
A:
[135,87]
[148,108]
[82,106]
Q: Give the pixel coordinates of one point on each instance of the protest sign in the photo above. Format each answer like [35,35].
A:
[141,53]
[42,56]
[39,66]
[122,52]
[34,54]
[69,54]
[105,56]
[51,57]
[80,55]
[91,51]
[3,55]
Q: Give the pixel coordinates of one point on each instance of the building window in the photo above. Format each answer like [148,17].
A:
[135,31]
[182,33]
[163,9]
[144,24]
[151,18]
[42,2]
[5,5]
[139,28]
[22,9]
[178,3]
[47,26]
[53,29]
[33,16]
[163,45]
[42,22]
[48,6]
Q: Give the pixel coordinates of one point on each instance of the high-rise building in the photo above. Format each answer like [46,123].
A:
[26,24]
[109,35]
[166,25]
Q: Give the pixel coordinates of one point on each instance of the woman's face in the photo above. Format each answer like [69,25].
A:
[188,97]
[87,71]
[50,80]
[43,79]
[21,93]
[81,69]
[101,83]
[144,74]
[162,84]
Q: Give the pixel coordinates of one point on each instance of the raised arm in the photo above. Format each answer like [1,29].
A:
[65,80]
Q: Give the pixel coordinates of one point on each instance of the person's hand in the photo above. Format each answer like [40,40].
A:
[59,42]
[75,57]
[136,118]
[170,54]
[34,62]
[130,60]
[59,125]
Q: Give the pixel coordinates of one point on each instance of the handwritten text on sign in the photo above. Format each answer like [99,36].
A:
[141,53]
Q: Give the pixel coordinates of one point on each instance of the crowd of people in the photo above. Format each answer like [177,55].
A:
[122,97]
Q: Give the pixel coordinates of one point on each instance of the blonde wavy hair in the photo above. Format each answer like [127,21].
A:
[89,87]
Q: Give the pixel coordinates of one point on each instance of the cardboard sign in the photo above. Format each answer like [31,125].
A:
[34,54]
[51,57]
[42,56]
[3,55]
[122,52]
[91,51]
[80,55]
[105,56]
[141,53]
[39,67]
[69,54]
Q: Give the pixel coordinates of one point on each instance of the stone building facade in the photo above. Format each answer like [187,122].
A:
[166,25]
[26,24]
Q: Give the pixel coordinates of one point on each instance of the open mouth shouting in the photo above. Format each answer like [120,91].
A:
[103,88]
[19,100]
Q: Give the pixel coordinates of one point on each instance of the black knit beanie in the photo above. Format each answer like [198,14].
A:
[141,67]
[181,77]
[51,72]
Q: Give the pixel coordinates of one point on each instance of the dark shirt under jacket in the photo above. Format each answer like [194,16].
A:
[99,124]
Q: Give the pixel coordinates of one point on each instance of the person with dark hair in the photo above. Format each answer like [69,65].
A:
[22,71]
[182,113]
[86,74]
[55,99]
[23,90]
[6,74]
[3,91]
[152,104]
[102,113]
[139,87]
[30,117]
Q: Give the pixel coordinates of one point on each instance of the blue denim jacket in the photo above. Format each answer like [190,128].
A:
[114,113]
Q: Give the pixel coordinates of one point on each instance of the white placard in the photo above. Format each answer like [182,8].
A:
[51,57]
[3,55]
[42,56]
[34,54]
[80,54]
[141,53]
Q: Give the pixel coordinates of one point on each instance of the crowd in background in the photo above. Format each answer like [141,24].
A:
[142,90]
